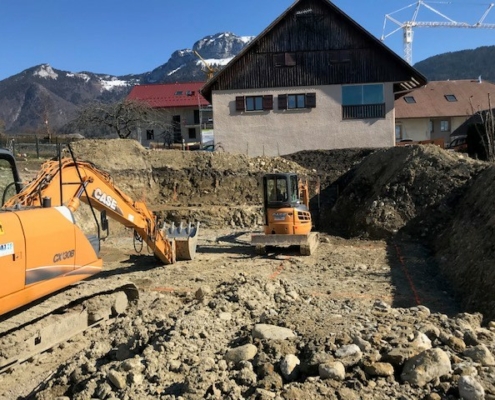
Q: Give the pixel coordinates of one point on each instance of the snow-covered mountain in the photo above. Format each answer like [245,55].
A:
[45,93]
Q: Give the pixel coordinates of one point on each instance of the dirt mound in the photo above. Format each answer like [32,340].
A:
[411,189]
[329,164]
[465,249]
[217,188]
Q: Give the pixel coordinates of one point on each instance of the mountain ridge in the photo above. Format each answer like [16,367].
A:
[43,97]
[60,94]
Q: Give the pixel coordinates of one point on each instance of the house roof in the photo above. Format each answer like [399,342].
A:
[432,100]
[416,78]
[170,95]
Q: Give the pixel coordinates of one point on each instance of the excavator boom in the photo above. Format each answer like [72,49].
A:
[44,249]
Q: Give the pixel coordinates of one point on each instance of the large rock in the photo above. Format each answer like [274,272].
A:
[272,332]
[426,366]
[470,388]
[241,353]
[332,370]
[480,354]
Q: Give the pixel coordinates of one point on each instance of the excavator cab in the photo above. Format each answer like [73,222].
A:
[10,181]
[285,211]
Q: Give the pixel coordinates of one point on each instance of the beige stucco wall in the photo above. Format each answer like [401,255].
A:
[278,132]
[419,128]
[415,129]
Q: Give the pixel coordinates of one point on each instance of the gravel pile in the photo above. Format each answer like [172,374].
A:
[244,339]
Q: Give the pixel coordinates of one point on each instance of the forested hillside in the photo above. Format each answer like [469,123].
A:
[464,64]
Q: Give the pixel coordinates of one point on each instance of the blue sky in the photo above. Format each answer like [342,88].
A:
[128,36]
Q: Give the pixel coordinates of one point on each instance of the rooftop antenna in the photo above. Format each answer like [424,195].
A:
[407,26]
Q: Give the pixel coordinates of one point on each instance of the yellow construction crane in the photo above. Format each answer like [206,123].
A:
[209,70]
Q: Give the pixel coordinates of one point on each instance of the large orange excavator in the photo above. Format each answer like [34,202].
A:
[43,249]
[287,217]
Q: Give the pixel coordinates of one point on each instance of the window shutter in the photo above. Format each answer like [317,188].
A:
[279,59]
[290,59]
[239,103]
[310,100]
[268,102]
[282,102]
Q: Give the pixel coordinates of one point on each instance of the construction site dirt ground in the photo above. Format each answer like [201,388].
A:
[355,272]
[378,279]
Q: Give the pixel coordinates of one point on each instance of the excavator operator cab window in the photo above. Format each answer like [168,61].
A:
[7,180]
[294,189]
[277,190]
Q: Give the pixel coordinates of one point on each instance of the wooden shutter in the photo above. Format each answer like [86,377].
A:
[279,59]
[282,102]
[310,100]
[290,59]
[239,103]
[268,102]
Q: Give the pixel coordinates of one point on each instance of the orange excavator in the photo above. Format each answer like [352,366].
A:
[43,249]
[287,217]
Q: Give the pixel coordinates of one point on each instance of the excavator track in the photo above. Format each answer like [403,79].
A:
[54,320]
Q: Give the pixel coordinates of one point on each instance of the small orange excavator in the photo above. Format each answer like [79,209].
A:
[42,249]
[287,217]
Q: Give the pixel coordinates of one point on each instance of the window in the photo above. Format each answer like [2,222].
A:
[340,57]
[150,134]
[444,126]
[276,189]
[254,103]
[192,133]
[398,132]
[178,93]
[295,101]
[431,126]
[284,59]
[409,99]
[450,97]
[363,101]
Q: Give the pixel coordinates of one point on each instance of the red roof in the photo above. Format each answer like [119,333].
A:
[170,95]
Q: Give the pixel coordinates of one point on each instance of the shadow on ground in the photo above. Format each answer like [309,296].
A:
[417,280]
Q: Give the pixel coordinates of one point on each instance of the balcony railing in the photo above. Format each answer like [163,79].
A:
[363,111]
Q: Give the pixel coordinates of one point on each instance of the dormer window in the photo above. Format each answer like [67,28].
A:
[450,97]
[409,99]
[178,93]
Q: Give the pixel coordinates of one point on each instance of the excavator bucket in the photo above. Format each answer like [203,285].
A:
[185,237]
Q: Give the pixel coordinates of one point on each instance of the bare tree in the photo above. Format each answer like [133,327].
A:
[482,133]
[122,118]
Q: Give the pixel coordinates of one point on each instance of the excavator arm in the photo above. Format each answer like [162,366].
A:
[67,182]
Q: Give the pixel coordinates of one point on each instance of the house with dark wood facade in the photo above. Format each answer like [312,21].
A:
[190,114]
[313,79]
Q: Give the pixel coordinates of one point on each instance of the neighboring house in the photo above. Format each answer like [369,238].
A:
[190,113]
[314,79]
[439,109]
